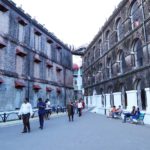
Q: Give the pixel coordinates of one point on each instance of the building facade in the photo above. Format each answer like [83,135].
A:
[116,64]
[77,82]
[33,62]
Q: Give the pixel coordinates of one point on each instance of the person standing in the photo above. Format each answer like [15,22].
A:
[41,112]
[80,108]
[25,112]
[48,111]
[70,110]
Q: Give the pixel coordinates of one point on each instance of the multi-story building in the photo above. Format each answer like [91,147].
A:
[33,62]
[116,66]
[77,82]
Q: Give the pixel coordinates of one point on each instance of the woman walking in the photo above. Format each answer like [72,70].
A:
[70,110]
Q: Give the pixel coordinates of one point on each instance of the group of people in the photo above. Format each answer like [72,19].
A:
[133,115]
[71,107]
[113,112]
[26,112]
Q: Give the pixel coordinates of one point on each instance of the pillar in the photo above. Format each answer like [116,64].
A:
[117,99]
[107,104]
[147,115]
[131,99]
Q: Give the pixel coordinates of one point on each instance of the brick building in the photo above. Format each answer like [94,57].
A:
[33,62]
[116,66]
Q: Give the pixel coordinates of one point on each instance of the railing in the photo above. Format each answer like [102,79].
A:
[5,115]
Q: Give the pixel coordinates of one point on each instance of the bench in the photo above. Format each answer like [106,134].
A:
[140,120]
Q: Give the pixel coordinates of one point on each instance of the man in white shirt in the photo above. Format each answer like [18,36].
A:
[80,108]
[25,112]
[48,111]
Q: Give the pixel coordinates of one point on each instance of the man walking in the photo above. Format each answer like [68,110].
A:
[70,110]
[41,111]
[25,112]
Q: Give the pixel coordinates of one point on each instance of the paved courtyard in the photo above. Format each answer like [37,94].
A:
[90,132]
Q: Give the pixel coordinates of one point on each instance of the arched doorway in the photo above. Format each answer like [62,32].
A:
[141,95]
[124,102]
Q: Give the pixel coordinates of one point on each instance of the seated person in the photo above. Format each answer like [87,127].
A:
[135,117]
[129,114]
[112,112]
[118,111]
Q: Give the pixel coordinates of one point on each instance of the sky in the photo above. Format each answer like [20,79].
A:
[75,22]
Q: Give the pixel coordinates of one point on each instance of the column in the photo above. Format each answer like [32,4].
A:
[131,99]
[147,115]
[100,107]
[107,105]
[90,101]
[117,99]
[94,100]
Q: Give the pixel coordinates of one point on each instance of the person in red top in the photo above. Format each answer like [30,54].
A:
[112,112]
[83,104]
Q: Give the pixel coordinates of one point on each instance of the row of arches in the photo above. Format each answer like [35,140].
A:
[106,40]
[138,90]
[102,71]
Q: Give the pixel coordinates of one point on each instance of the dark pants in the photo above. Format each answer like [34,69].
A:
[26,123]
[71,117]
[80,111]
[41,120]
[126,115]
[47,113]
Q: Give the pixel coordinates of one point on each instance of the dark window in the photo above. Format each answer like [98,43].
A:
[107,40]
[143,99]
[125,100]
[138,53]
[118,29]
[136,14]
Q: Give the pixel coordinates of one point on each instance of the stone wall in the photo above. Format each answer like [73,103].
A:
[51,78]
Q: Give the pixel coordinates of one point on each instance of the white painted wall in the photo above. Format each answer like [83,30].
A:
[96,101]
[147,116]
[117,99]
[107,96]
[131,99]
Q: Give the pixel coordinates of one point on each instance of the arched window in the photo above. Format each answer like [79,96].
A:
[75,82]
[100,72]
[107,40]
[100,47]
[103,103]
[137,53]
[110,91]
[118,29]
[109,68]
[135,14]
[94,53]
[123,96]
[120,62]
[88,58]
[141,98]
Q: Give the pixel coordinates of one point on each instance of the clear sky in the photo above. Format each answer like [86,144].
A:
[75,22]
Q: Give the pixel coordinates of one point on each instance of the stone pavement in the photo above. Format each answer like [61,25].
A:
[90,132]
